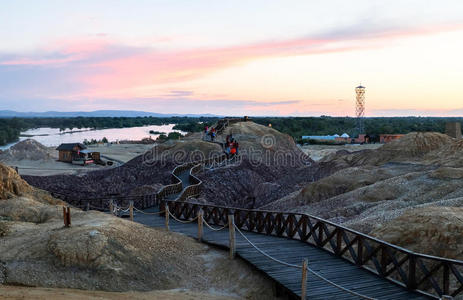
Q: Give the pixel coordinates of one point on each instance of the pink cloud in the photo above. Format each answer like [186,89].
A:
[106,69]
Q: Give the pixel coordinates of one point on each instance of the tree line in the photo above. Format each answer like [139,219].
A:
[325,125]
[296,127]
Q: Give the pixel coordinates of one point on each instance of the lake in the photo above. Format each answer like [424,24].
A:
[53,137]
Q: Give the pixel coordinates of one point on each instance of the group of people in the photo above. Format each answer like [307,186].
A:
[231,146]
[210,132]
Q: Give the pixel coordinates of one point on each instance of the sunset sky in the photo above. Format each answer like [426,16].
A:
[301,58]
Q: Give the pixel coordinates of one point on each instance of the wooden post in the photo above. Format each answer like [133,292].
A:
[131,210]
[231,230]
[68,213]
[111,207]
[359,261]
[338,241]
[304,279]
[446,278]
[166,211]
[88,206]
[200,225]
[411,284]
[67,216]
[384,261]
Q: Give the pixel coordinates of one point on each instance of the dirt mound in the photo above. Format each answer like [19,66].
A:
[431,230]
[102,252]
[417,143]
[255,138]
[11,183]
[186,150]
[421,147]
[270,166]
[28,149]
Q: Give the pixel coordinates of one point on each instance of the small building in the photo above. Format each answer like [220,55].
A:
[69,151]
[77,153]
[386,138]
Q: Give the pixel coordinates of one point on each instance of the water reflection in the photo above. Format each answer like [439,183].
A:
[53,137]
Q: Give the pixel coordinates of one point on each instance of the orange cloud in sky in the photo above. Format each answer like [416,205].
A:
[101,68]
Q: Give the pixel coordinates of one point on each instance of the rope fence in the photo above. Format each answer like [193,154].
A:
[183,222]
[214,229]
[306,267]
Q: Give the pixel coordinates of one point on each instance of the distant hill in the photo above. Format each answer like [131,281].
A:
[96,113]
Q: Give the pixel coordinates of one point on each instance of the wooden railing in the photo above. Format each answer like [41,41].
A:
[223,123]
[430,275]
[150,200]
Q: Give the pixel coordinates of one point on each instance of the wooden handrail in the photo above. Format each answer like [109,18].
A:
[415,271]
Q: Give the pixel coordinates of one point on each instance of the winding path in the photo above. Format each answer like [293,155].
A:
[288,279]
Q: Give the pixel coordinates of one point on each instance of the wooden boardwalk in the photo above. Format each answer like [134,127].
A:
[337,270]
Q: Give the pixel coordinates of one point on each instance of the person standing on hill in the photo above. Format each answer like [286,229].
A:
[233,150]
[227,149]
[212,134]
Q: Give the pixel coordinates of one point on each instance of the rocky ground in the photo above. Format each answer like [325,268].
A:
[102,252]
[402,192]
[318,152]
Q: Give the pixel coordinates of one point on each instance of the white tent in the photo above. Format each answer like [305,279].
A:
[344,135]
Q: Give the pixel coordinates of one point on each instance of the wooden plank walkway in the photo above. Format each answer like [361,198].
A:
[331,267]
[294,252]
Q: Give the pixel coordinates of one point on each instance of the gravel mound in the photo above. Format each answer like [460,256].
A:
[431,230]
[28,150]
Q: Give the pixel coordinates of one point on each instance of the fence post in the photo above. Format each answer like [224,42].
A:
[338,241]
[231,230]
[131,210]
[446,279]
[88,206]
[411,284]
[111,206]
[359,261]
[166,211]
[68,213]
[200,225]
[67,216]
[304,279]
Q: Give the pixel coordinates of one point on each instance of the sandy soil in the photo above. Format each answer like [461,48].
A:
[317,152]
[17,292]
[119,154]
